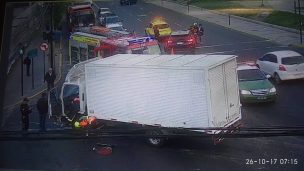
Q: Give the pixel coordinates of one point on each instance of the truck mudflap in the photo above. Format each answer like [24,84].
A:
[234,128]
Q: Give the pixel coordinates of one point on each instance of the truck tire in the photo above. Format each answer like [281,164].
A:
[155,142]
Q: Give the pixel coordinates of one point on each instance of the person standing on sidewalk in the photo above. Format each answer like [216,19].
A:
[42,106]
[50,77]
[25,111]
[27,61]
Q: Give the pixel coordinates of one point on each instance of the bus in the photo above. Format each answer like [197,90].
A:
[80,16]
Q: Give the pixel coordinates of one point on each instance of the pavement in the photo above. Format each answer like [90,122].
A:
[277,34]
[34,84]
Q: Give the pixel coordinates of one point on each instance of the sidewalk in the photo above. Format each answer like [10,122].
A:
[277,34]
[12,96]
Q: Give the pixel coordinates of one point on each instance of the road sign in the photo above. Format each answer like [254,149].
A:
[32,53]
[44,46]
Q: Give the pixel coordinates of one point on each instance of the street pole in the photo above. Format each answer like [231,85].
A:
[300,20]
[33,73]
[51,37]
[43,63]
[229,19]
[21,51]
[262,3]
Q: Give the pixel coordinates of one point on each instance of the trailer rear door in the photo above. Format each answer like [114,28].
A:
[217,95]
[232,90]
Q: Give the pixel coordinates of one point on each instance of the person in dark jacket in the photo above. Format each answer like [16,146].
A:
[156,33]
[42,106]
[27,62]
[50,77]
[25,111]
[201,31]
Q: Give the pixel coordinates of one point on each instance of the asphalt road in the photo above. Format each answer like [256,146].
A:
[184,154]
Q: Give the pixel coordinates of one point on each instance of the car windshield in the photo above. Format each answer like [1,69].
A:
[293,60]
[250,75]
[162,26]
[111,19]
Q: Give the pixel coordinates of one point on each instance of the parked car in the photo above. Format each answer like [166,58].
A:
[282,65]
[254,85]
[127,2]
[111,20]
[103,10]
[182,40]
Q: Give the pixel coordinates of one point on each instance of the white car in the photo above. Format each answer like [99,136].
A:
[103,10]
[282,65]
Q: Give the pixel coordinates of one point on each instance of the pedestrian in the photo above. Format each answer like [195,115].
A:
[42,106]
[25,111]
[156,33]
[200,31]
[27,61]
[50,77]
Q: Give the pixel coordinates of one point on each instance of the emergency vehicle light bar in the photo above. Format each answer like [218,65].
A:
[140,40]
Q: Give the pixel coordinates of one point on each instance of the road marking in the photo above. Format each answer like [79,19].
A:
[142,15]
[230,44]
[178,24]
[139,20]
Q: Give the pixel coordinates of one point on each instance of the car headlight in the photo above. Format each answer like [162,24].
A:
[245,92]
[272,90]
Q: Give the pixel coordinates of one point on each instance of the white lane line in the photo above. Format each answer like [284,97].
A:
[139,20]
[142,15]
[178,24]
[230,44]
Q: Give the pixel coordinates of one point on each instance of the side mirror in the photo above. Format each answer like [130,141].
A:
[268,76]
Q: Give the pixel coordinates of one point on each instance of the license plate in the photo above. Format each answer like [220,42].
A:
[261,98]
[180,43]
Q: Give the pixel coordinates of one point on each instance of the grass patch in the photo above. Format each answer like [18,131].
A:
[268,15]
[215,4]
[285,19]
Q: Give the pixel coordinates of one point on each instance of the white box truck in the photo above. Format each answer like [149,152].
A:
[171,91]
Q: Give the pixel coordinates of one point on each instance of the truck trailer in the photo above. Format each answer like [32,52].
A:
[167,91]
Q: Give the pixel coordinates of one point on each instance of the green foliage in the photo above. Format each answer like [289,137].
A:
[285,19]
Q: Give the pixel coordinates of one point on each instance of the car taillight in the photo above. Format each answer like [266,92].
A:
[190,40]
[282,68]
[169,41]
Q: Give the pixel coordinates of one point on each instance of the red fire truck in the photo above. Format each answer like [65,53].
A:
[80,16]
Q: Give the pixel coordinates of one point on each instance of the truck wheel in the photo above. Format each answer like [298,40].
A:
[155,142]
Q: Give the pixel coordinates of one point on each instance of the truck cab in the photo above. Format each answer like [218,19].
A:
[69,101]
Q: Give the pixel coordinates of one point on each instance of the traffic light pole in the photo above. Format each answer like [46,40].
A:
[21,64]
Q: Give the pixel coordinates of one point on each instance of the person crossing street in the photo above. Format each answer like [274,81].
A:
[42,106]
[25,111]
[50,77]
[27,62]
